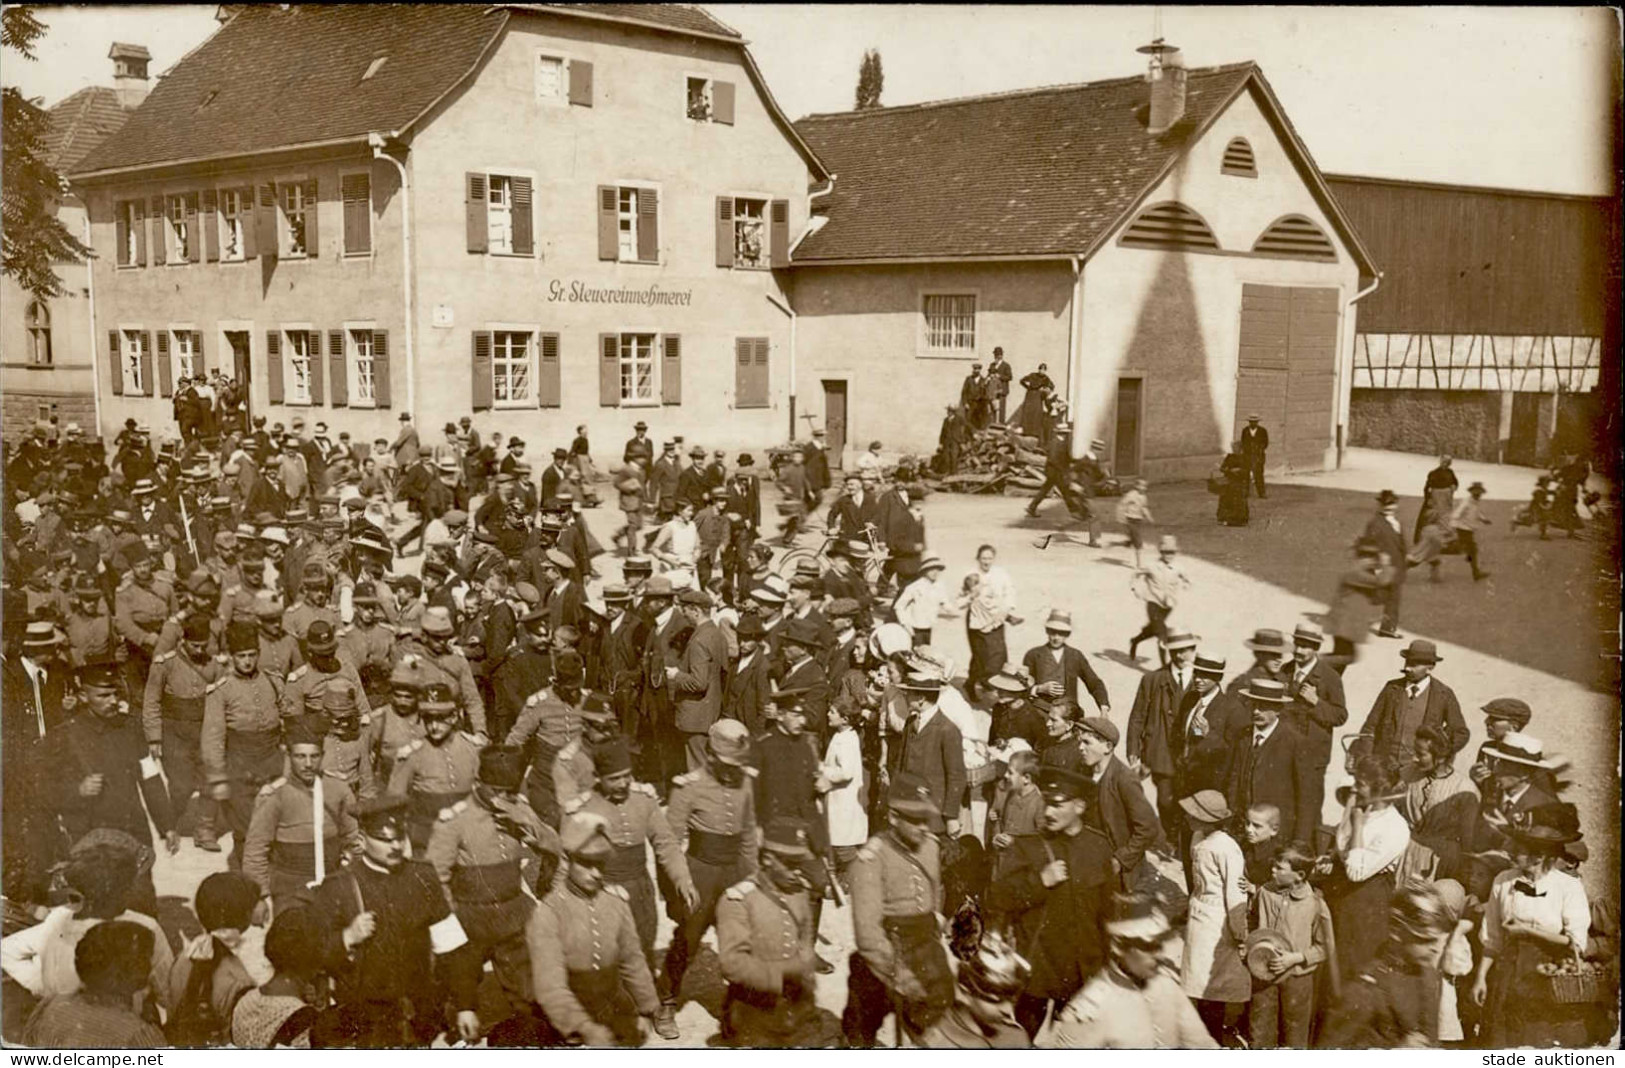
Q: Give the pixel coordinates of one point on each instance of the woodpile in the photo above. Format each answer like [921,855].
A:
[995,460]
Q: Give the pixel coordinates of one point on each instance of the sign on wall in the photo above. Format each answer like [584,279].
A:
[575,291]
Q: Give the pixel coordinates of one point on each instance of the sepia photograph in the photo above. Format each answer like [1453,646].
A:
[661,526]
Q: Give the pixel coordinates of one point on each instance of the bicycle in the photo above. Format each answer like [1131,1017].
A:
[872,567]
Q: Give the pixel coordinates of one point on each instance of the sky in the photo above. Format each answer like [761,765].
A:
[1516,97]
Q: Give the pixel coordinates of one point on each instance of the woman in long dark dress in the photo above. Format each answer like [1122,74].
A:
[1233,509]
[1030,417]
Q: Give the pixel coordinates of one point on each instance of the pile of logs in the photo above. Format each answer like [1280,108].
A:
[994,460]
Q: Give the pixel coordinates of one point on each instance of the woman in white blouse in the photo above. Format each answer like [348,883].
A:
[1535,915]
[678,545]
[1371,839]
[1214,974]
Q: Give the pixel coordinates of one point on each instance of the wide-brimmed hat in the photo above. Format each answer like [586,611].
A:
[1007,683]
[1263,946]
[1268,640]
[1181,640]
[729,742]
[1209,806]
[890,639]
[1268,690]
[1420,651]
[1519,748]
[1308,634]
[1059,621]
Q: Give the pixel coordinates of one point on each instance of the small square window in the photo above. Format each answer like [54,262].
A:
[701,105]
[552,85]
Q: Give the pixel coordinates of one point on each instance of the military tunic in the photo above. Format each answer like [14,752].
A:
[900,962]
[634,825]
[586,964]
[1113,1012]
[720,822]
[140,613]
[434,777]
[241,742]
[347,756]
[388,734]
[545,726]
[308,679]
[236,600]
[174,629]
[172,715]
[453,669]
[298,618]
[280,853]
[765,943]
[369,648]
[90,637]
[280,656]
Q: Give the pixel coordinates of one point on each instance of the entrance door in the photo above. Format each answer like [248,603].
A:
[1525,434]
[241,364]
[1286,372]
[835,421]
[1126,453]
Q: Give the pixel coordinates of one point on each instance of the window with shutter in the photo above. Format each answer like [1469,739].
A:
[608,223]
[194,243]
[481,371]
[296,344]
[265,223]
[609,370]
[524,240]
[475,210]
[158,232]
[551,87]
[124,235]
[138,216]
[722,103]
[338,370]
[750,367]
[131,369]
[240,222]
[698,99]
[146,362]
[639,354]
[781,233]
[511,380]
[380,368]
[273,366]
[355,190]
[115,363]
[750,233]
[581,83]
[199,366]
[549,389]
[725,231]
[671,370]
[648,226]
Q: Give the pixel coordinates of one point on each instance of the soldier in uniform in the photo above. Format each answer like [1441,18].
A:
[368,643]
[240,598]
[172,720]
[573,773]
[141,605]
[1055,887]
[900,963]
[765,935]
[716,807]
[316,588]
[991,976]
[633,820]
[280,654]
[323,664]
[89,626]
[789,786]
[453,667]
[398,725]
[302,825]
[479,848]
[590,977]
[400,953]
[548,722]
[437,770]
[200,596]
[348,754]
[241,736]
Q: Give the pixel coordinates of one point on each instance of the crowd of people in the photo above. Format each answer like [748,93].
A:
[458,799]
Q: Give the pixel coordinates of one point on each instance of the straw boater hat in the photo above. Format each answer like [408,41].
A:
[1519,748]
[1267,690]
[1267,640]
[1059,621]
[1308,634]
[1181,640]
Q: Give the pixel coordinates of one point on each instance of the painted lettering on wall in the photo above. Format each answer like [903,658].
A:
[575,291]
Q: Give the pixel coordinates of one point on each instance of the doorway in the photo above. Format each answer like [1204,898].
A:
[241,367]
[1126,444]
[835,421]
[1523,444]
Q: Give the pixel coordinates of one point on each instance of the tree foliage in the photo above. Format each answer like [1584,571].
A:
[35,240]
[871,79]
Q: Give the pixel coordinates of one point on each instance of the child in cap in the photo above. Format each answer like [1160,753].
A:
[1134,512]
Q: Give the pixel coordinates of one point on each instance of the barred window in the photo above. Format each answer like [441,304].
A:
[950,323]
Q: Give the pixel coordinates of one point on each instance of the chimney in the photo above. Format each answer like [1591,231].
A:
[1167,79]
[130,73]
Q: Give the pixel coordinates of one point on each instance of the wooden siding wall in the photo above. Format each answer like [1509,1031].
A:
[1468,261]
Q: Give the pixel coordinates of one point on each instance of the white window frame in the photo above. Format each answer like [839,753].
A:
[561,99]
[626,224]
[229,225]
[528,361]
[766,263]
[130,358]
[926,349]
[132,240]
[508,174]
[354,358]
[37,317]
[290,379]
[656,357]
[175,229]
[284,219]
[372,231]
[178,370]
[709,92]
[495,212]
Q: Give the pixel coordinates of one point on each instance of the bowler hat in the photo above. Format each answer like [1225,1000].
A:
[658,586]
[750,628]
[1420,651]
[805,633]
[1387,496]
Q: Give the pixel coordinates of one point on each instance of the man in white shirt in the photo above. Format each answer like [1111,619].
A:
[991,603]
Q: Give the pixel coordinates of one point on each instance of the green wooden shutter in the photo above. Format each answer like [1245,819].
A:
[313,214]
[146,362]
[313,348]
[356,194]
[194,246]
[474,209]
[609,240]
[115,363]
[609,370]
[722,102]
[156,224]
[337,370]
[380,368]
[549,390]
[166,381]
[648,225]
[671,370]
[524,243]
[248,219]
[779,233]
[209,219]
[725,231]
[273,366]
[482,370]
[581,83]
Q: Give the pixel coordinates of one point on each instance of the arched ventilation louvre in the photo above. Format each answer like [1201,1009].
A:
[1238,159]
[1170,226]
[1297,238]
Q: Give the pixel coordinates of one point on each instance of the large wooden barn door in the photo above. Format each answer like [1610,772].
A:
[1287,371]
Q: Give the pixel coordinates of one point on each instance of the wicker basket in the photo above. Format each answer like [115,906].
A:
[983,775]
[1576,988]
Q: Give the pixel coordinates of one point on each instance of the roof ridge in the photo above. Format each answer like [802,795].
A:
[1006,94]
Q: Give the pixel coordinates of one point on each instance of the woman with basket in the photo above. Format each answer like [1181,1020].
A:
[1532,980]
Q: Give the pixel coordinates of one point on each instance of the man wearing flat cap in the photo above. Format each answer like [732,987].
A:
[303,823]
[900,964]
[1055,886]
[716,807]
[172,721]
[242,733]
[480,847]
[766,929]
[1412,701]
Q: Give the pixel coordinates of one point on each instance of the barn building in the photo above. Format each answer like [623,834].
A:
[1165,244]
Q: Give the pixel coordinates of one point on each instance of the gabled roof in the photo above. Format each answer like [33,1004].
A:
[274,78]
[81,122]
[683,18]
[1032,173]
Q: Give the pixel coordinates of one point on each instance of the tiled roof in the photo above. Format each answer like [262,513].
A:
[1035,172]
[79,123]
[685,17]
[274,77]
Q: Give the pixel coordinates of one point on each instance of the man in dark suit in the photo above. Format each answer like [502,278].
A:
[697,686]
[1384,531]
[749,686]
[817,461]
[853,511]
[1121,809]
[563,600]
[742,507]
[691,481]
[1271,651]
[1203,733]
[1058,669]
[662,485]
[800,643]
[1317,705]
[999,375]
[553,475]
[903,534]
[622,654]
[660,753]
[640,451]
[1255,442]
[1412,701]
[1270,764]
[1154,726]
[933,749]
